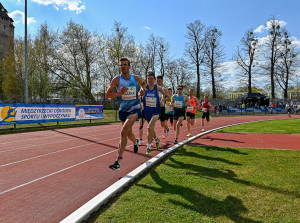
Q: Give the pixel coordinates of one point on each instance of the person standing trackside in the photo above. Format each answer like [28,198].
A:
[206,106]
[151,103]
[162,117]
[126,85]
[179,101]
[191,111]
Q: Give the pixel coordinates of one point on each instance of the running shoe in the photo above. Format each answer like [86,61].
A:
[115,166]
[140,142]
[157,143]
[148,151]
[203,129]
[136,147]
[164,136]
[188,135]
[175,142]
[168,132]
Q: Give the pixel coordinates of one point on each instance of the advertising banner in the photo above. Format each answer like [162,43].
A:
[15,113]
[89,112]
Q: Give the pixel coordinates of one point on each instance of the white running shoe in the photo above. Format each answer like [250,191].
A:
[168,132]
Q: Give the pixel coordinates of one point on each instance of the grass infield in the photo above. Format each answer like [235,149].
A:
[213,184]
[284,126]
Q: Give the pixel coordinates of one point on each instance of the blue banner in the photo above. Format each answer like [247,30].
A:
[88,112]
[16,113]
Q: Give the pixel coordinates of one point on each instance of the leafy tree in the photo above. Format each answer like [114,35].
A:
[13,64]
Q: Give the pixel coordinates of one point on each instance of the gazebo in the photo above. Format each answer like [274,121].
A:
[255,98]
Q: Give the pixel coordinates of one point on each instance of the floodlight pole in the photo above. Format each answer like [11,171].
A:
[26,71]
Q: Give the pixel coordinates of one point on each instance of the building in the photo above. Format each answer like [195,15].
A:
[7,30]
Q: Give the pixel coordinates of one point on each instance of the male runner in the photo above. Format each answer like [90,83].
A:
[169,108]
[206,106]
[191,111]
[151,103]
[179,102]
[162,117]
[129,111]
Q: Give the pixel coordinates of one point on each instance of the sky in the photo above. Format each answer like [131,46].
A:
[164,18]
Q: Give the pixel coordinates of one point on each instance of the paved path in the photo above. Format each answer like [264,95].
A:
[47,175]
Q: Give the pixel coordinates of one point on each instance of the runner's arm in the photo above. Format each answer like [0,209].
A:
[112,87]
[140,81]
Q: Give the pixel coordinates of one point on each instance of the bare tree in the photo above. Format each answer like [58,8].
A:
[178,72]
[194,47]
[163,53]
[273,45]
[288,63]
[74,61]
[245,56]
[151,49]
[214,56]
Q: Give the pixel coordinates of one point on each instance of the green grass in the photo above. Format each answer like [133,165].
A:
[285,126]
[211,184]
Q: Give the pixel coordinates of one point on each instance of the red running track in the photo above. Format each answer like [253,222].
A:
[46,175]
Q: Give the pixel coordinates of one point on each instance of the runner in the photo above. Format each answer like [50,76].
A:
[151,103]
[179,102]
[169,108]
[191,111]
[162,116]
[141,122]
[289,109]
[126,85]
[206,106]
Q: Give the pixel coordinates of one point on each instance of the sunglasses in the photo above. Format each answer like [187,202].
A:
[179,89]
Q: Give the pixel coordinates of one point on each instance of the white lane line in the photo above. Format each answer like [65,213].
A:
[75,147]
[96,136]
[49,175]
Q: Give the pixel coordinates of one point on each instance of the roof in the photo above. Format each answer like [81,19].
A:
[4,13]
[254,95]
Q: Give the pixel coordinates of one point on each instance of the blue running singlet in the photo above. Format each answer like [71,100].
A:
[151,101]
[128,101]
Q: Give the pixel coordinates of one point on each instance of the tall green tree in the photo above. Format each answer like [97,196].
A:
[13,64]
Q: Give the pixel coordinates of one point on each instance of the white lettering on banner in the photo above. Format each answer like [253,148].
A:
[130,94]
[151,102]
[178,104]
[190,108]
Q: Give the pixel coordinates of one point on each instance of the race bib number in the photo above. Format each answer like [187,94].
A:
[178,104]
[151,102]
[130,94]
[169,107]
[190,108]
[204,109]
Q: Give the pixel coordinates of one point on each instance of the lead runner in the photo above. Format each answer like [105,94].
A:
[129,111]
